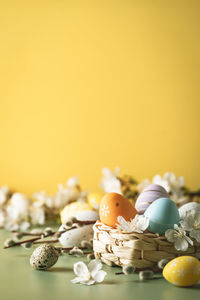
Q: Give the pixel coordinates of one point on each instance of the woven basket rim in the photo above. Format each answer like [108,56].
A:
[144,250]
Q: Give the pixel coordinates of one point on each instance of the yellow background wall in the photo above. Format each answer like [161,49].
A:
[88,84]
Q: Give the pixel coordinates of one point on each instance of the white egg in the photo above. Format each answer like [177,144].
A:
[187,207]
[87,215]
[74,237]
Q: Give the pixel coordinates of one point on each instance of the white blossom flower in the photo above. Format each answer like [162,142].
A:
[178,237]
[142,185]
[191,223]
[88,275]
[16,225]
[63,196]
[73,181]
[2,218]
[109,182]
[37,214]
[4,191]
[176,185]
[24,226]
[40,199]
[139,224]
[17,211]
[157,179]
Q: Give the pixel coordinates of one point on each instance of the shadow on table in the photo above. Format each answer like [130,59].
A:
[60,270]
[23,255]
[108,282]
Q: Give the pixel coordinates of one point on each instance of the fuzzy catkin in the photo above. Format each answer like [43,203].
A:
[146,275]
[76,252]
[27,245]
[86,244]
[9,243]
[18,235]
[162,263]
[128,269]
[90,256]
[48,231]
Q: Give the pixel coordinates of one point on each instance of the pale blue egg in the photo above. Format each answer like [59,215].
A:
[163,214]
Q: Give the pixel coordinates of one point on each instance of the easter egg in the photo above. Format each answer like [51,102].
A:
[113,205]
[94,200]
[182,271]
[149,195]
[72,209]
[87,215]
[187,207]
[74,237]
[163,214]
[44,257]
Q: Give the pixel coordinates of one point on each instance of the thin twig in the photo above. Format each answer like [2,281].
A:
[22,242]
[46,242]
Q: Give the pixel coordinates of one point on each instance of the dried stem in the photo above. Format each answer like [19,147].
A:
[40,238]
[46,242]
[26,233]
[22,242]
[33,240]
[119,273]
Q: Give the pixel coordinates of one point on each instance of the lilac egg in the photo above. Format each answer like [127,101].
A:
[149,195]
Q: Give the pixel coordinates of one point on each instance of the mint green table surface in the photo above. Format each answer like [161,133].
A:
[19,281]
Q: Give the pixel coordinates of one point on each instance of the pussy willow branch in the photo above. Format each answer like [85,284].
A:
[33,240]
[154,269]
[42,236]
[24,233]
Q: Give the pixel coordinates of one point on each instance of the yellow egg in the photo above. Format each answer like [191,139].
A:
[94,200]
[71,209]
[182,271]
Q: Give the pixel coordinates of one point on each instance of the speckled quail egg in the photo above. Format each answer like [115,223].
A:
[44,257]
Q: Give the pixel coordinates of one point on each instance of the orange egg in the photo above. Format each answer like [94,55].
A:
[113,205]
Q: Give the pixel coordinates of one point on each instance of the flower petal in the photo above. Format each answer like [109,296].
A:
[99,276]
[94,266]
[76,280]
[90,282]
[187,222]
[123,224]
[189,240]
[195,234]
[143,223]
[80,269]
[169,234]
[181,244]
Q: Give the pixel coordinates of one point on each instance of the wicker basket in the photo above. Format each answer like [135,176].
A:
[143,250]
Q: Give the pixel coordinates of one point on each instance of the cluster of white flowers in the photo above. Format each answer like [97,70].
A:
[172,184]
[13,210]
[18,212]
[109,182]
[189,228]
[139,224]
